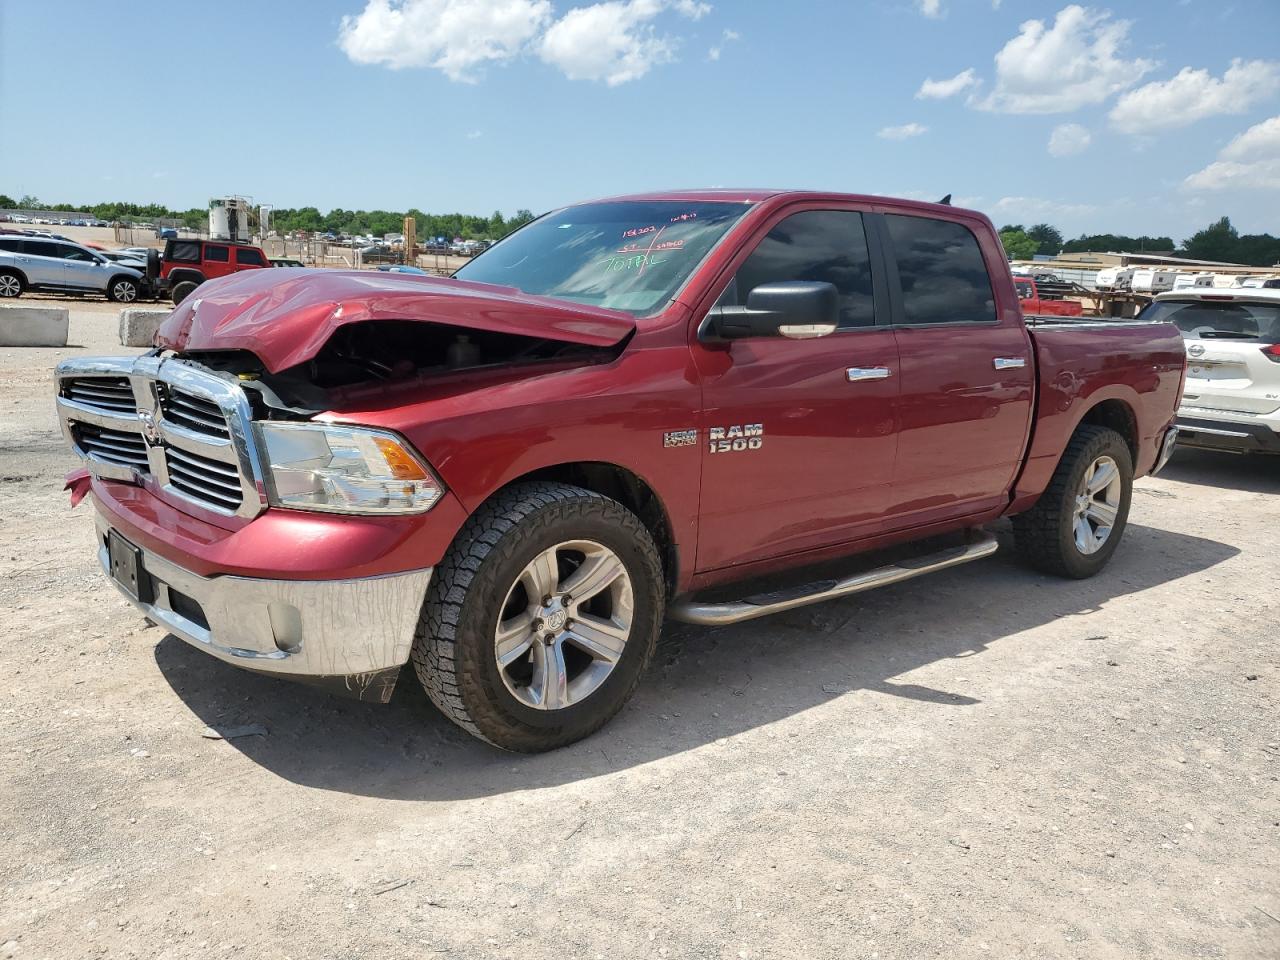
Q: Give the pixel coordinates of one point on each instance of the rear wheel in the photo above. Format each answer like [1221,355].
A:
[10,285]
[182,290]
[122,290]
[541,618]
[1077,523]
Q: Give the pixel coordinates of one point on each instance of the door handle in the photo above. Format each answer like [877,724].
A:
[1009,363]
[867,373]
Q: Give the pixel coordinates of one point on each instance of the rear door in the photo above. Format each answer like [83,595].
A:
[798,436]
[43,263]
[967,369]
[217,260]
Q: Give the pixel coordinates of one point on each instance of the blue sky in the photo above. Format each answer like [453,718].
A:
[1134,117]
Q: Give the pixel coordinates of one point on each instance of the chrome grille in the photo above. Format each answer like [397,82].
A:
[203,479]
[179,429]
[113,394]
[122,447]
[194,413]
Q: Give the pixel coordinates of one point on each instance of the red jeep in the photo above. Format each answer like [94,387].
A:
[188,263]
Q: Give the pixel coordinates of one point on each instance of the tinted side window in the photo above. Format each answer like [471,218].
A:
[10,244]
[220,254]
[183,252]
[829,246]
[249,257]
[944,278]
[40,248]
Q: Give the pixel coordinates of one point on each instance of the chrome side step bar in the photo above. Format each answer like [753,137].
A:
[718,614]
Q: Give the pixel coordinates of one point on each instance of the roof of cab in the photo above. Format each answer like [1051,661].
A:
[756,195]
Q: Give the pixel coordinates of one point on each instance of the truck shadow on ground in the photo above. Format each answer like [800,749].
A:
[1227,471]
[705,683]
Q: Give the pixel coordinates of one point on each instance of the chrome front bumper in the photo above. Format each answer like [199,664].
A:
[357,633]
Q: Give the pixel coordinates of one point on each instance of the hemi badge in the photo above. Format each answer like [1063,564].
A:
[680,438]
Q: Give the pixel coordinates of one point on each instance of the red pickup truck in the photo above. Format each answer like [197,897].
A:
[1033,303]
[627,410]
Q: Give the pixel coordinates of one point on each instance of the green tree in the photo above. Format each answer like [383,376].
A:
[28,202]
[1048,237]
[1218,241]
[1017,244]
[7,202]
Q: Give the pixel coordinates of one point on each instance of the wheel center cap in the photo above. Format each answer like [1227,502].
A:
[555,617]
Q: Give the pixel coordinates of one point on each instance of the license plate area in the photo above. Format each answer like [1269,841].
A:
[126,567]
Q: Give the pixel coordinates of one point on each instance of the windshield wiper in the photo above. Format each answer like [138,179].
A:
[1226,335]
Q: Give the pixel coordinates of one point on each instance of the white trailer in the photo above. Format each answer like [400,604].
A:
[1151,280]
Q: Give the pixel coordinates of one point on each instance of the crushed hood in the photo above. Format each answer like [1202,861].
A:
[284,317]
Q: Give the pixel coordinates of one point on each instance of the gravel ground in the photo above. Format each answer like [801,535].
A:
[983,763]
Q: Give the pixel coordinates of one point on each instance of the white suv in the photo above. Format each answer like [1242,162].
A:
[1232,396]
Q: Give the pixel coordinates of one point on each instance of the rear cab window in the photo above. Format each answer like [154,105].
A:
[183,251]
[1219,319]
[942,272]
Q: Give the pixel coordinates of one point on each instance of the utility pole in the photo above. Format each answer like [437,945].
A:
[410,241]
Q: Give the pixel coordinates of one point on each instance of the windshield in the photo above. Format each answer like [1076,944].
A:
[625,255]
[1220,319]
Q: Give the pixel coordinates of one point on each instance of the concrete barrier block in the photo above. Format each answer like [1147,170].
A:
[33,326]
[138,327]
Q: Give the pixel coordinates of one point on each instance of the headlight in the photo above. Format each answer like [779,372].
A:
[341,469]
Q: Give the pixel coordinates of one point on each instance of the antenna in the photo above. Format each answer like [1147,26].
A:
[946,201]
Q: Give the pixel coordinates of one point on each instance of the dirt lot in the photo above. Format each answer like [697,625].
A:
[985,763]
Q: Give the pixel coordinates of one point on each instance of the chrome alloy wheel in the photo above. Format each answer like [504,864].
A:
[125,292]
[10,286]
[1097,505]
[564,625]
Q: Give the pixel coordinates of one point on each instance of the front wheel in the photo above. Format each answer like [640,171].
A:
[122,290]
[541,618]
[1077,523]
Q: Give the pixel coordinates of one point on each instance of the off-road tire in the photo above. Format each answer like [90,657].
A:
[115,283]
[182,290]
[8,290]
[453,652]
[1044,535]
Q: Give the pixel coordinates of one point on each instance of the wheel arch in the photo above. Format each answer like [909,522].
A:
[17,273]
[180,276]
[629,489]
[1118,415]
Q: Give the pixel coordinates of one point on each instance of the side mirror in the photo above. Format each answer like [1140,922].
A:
[797,309]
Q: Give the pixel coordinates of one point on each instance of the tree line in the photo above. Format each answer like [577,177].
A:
[310,219]
[1218,241]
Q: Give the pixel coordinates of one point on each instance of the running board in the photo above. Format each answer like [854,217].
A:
[718,614]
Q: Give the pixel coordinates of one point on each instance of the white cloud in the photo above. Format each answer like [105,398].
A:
[1034,208]
[729,36]
[1071,64]
[933,89]
[1249,162]
[475,134]
[1192,95]
[456,37]
[614,41]
[904,132]
[1068,139]
[930,8]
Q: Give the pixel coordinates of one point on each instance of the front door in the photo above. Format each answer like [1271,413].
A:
[798,436]
[81,269]
[967,371]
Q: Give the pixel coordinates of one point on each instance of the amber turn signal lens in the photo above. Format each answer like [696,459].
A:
[401,464]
